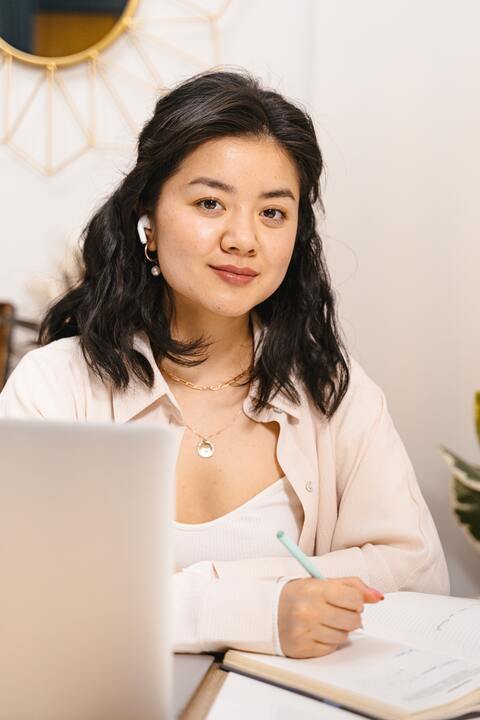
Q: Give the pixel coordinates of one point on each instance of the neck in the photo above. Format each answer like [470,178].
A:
[231,346]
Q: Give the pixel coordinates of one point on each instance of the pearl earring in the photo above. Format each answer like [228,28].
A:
[143,224]
[155,270]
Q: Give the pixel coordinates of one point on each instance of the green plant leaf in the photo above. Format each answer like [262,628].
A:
[467,508]
[469,473]
[465,487]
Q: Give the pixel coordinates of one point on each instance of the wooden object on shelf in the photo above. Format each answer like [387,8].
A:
[6,324]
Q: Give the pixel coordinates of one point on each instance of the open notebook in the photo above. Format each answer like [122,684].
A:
[418,656]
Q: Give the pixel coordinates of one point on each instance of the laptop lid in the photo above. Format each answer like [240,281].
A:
[86,561]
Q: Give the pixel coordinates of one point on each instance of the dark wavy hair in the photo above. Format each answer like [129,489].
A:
[117,296]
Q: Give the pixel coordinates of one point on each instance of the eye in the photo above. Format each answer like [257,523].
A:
[206,204]
[276,210]
[207,200]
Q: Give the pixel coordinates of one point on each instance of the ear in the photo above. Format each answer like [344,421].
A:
[151,244]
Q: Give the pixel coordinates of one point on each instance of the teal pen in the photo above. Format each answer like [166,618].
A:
[294,550]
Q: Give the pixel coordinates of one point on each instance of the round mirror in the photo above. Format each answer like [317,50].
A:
[61,32]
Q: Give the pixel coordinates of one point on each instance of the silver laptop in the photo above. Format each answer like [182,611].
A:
[86,561]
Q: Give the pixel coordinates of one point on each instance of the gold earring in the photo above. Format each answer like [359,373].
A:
[155,270]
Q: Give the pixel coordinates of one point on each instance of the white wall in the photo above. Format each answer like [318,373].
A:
[396,99]
[393,88]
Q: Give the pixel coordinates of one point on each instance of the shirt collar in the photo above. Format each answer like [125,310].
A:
[137,397]
[130,402]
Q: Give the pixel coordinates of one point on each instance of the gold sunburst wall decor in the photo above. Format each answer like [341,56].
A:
[54,109]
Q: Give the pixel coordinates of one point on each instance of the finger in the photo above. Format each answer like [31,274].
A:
[329,635]
[312,650]
[339,619]
[344,596]
[319,649]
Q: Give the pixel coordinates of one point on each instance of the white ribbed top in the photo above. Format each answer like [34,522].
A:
[248,531]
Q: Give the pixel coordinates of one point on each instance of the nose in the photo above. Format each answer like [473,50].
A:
[240,238]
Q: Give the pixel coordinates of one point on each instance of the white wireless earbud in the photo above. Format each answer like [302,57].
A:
[143,223]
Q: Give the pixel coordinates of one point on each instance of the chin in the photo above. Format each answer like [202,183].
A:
[232,312]
[224,304]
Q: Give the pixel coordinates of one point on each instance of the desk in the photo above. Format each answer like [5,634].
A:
[191,678]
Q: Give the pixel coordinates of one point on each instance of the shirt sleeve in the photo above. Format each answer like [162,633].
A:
[383,520]
[383,530]
[213,614]
[280,584]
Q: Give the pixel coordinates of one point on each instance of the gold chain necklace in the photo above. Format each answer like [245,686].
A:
[205,447]
[189,384]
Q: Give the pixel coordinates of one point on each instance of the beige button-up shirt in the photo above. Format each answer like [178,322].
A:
[364,511]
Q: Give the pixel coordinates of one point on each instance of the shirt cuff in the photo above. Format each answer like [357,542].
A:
[280,584]
[214,614]
[237,613]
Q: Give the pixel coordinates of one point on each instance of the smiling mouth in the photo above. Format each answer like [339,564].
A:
[233,277]
[234,270]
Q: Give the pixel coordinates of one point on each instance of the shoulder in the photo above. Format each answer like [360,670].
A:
[60,358]
[361,386]
[364,398]
[47,381]
[361,405]
[362,418]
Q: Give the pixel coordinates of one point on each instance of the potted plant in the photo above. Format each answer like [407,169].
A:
[465,487]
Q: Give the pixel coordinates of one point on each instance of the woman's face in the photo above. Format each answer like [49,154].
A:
[232,202]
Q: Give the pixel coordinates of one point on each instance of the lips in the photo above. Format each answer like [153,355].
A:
[234,275]
[245,271]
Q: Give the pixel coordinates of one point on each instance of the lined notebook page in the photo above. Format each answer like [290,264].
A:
[432,622]
[391,673]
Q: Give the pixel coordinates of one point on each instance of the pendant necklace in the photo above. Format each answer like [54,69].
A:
[205,447]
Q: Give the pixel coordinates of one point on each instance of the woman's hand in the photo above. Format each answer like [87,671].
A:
[315,616]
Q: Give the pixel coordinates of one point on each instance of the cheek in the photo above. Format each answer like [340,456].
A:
[184,239]
[278,255]
[174,252]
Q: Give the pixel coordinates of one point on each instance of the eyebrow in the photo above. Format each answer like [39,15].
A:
[211,182]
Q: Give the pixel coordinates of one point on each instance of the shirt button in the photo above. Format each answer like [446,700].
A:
[309,486]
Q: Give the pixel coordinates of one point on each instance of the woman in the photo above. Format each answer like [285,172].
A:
[205,306]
